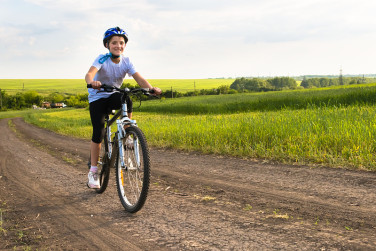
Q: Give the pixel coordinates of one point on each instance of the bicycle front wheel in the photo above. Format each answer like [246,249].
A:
[133,178]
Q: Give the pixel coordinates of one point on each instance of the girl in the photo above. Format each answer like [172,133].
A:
[109,69]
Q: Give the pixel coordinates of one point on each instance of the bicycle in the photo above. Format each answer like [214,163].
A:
[128,151]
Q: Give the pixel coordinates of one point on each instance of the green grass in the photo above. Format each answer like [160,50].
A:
[76,86]
[19,113]
[331,126]
[44,86]
[70,122]
[270,101]
[330,136]
[185,85]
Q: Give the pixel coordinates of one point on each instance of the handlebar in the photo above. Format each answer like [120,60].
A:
[109,88]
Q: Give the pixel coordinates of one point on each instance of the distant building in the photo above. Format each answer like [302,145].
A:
[58,105]
[46,105]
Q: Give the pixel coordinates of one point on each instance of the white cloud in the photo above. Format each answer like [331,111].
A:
[191,38]
[32,40]
[71,5]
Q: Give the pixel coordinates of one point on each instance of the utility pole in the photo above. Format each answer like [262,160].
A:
[340,76]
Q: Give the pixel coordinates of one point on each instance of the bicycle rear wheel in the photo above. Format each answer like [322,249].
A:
[133,179]
[103,167]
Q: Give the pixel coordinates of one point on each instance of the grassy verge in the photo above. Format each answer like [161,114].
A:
[329,136]
[20,113]
[70,122]
[335,136]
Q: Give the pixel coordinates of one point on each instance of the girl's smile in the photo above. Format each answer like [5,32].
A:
[116,45]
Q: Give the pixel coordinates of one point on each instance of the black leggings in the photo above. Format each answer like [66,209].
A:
[100,108]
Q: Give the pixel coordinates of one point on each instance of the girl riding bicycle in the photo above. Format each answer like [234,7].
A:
[109,69]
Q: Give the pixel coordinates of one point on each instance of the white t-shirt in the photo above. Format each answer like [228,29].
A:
[110,73]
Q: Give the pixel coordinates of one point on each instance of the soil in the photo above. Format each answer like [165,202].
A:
[196,202]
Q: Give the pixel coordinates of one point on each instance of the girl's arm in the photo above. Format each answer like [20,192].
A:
[89,78]
[145,84]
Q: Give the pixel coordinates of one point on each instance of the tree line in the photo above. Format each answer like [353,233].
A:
[27,99]
[260,84]
[288,83]
[22,100]
[325,82]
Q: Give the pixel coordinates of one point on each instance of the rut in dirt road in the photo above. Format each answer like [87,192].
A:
[196,202]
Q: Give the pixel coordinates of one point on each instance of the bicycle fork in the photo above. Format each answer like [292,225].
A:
[120,136]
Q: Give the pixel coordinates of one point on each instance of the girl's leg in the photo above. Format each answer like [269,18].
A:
[94,151]
[93,179]
[97,115]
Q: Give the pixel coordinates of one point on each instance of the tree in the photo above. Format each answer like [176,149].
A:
[280,83]
[3,100]
[32,98]
[324,82]
[239,84]
[78,101]
[257,84]
[224,89]
[16,102]
[304,82]
[55,98]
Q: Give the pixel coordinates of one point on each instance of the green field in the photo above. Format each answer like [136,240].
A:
[75,86]
[328,126]
[338,96]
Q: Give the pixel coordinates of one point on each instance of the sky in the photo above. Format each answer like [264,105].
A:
[190,39]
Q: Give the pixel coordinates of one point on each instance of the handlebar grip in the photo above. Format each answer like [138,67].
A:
[91,86]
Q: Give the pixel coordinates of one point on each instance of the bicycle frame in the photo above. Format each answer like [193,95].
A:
[120,134]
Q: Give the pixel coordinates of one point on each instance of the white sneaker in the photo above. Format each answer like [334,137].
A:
[93,180]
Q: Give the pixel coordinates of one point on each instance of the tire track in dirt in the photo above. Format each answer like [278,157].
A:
[197,202]
[307,206]
[30,175]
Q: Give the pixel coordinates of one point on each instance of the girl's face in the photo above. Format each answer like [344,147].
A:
[116,45]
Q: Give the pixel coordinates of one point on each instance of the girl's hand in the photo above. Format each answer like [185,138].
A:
[96,84]
[157,91]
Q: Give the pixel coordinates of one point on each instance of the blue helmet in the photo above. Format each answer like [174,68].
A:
[114,32]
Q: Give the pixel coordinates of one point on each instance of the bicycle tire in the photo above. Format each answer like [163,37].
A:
[133,180]
[103,167]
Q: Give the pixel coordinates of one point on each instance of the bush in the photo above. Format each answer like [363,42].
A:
[78,101]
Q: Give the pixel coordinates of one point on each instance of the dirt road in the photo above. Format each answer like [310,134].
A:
[196,202]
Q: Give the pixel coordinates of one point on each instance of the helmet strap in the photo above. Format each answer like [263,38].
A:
[113,56]
[105,57]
